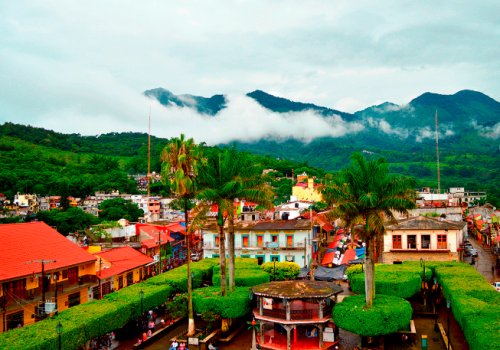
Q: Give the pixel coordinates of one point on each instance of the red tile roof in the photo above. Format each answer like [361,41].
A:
[122,260]
[20,243]
[151,243]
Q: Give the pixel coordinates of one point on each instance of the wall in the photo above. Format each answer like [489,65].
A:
[390,257]
[453,240]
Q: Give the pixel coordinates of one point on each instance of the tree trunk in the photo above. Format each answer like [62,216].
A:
[369,273]
[222,251]
[191,325]
[230,251]
[352,235]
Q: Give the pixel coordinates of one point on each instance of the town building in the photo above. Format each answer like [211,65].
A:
[422,237]
[307,191]
[118,268]
[284,240]
[26,201]
[292,209]
[31,291]
[456,196]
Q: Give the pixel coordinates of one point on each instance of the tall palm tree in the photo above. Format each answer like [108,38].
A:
[228,175]
[180,163]
[367,191]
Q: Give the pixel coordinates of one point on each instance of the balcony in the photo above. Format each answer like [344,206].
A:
[281,245]
[299,311]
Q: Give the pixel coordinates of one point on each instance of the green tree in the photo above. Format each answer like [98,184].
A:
[68,221]
[366,190]
[180,166]
[117,208]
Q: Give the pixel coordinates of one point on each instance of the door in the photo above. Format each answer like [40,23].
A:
[260,241]
[245,241]
[289,241]
[73,275]
[74,299]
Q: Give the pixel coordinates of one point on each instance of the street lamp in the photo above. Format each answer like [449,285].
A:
[59,332]
[448,304]
[422,264]
[141,295]
[250,296]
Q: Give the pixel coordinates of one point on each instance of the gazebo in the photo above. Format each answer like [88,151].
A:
[302,306]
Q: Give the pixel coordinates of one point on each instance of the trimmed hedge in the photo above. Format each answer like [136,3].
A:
[240,264]
[388,315]
[235,304]
[396,283]
[245,278]
[402,281]
[98,317]
[284,270]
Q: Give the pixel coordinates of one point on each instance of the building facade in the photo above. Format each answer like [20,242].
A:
[285,240]
[307,191]
[424,238]
[31,293]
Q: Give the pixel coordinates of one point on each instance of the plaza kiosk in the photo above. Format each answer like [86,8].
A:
[296,314]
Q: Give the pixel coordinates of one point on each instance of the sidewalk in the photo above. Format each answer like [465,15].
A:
[484,261]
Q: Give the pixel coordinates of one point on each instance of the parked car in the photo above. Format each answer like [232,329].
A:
[473,252]
[496,285]
[195,257]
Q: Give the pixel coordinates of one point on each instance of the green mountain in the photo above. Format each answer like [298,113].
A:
[203,105]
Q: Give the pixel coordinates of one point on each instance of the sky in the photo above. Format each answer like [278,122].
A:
[81,66]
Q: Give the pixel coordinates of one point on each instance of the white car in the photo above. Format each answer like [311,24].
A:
[496,285]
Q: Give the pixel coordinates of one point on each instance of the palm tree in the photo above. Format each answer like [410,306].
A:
[180,162]
[367,191]
[225,176]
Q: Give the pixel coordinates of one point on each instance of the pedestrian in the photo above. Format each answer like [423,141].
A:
[152,325]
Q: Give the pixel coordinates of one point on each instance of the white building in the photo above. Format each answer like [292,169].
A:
[286,240]
[424,238]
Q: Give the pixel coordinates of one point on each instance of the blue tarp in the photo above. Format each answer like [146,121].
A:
[332,250]
[360,251]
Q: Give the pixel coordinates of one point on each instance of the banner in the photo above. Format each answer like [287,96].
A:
[268,303]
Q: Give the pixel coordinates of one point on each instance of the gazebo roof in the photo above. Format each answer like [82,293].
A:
[297,289]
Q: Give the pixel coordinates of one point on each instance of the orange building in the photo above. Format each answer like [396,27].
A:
[32,291]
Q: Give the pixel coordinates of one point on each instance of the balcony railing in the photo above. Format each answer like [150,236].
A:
[266,245]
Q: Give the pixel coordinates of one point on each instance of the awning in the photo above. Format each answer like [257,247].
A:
[328,258]
[497,238]
[350,254]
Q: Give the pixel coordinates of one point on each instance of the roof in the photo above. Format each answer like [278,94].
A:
[297,289]
[122,259]
[151,243]
[426,223]
[283,225]
[20,243]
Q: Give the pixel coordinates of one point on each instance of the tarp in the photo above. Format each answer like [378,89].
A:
[331,250]
[328,258]
[332,245]
[497,238]
[350,254]
[340,231]
[330,274]
[360,251]
[356,261]
[303,272]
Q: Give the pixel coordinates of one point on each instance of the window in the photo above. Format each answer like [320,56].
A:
[140,274]
[289,241]
[442,242]
[130,278]
[106,288]
[95,292]
[274,238]
[396,242]
[275,258]
[74,299]
[65,274]
[16,289]
[73,275]
[426,241]
[120,282]
[217,240]
[260,259]
[260,241]
[412,241]
[15,319]
[245,241]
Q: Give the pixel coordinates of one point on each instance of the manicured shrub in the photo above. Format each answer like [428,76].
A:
[388,315]
[235,304]
[240,263]
[396,283]
[284,270]
[245,278]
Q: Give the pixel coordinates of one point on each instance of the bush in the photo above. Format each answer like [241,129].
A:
[240,264]
[235,304]
[388,315]
[245,278]
[284,270]
[396,283]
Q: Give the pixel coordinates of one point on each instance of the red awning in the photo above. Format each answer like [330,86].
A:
[328,258]
[340,231]
[333,245]
[497,238]
[350,254]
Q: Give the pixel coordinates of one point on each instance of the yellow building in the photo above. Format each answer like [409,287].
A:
[308,192]
[62,281]
[119,268]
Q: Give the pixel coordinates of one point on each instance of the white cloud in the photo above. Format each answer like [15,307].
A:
[348,104]
[385,127]
[264,79]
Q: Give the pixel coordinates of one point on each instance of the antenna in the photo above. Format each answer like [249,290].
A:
[437,152]
[149,152]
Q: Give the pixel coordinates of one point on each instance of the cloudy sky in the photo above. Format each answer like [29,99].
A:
[81,66]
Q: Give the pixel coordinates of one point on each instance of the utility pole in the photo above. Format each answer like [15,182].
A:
[43,277]
[100,277]
[159,242]
[149,153]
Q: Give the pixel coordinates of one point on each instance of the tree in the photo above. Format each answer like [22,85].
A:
[366,190]
[180,164]
[228,175]
[118,208]
[67,221]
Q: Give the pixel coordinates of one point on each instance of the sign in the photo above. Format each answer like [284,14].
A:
[268,303]
[272,244]
[193,341]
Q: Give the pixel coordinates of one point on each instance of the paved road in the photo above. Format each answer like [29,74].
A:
[484,261]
